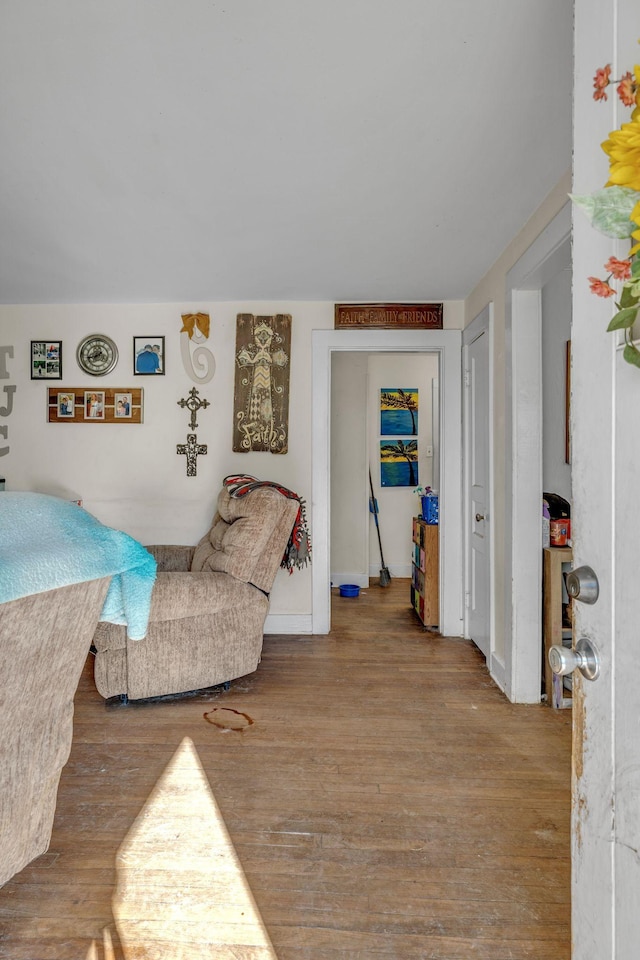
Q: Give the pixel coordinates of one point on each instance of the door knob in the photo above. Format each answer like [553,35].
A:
[585,658]
[582,584]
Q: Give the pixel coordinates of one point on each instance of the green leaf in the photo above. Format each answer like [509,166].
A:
[629,297]
[631,354]
[624,320]
[635,266]
[609,210]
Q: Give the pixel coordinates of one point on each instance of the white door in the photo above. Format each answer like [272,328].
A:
[476,359]
[605,403]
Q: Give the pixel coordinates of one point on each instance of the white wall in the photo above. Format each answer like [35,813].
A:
[397,505]
[129,475]
[349,480]
[492,289]
[355,439]
[556,331]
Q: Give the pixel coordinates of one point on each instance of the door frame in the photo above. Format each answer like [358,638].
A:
[447,344]
[482,324]
[548,255]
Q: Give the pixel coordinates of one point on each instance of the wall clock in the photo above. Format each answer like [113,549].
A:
[97,355]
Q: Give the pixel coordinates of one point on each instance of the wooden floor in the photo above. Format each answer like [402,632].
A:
[383,798]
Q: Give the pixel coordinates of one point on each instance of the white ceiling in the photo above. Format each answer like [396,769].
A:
[191,150]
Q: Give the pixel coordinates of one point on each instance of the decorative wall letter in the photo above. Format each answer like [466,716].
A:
[261,399]
[9,390]
[4,353]
[5,411]
[199,363]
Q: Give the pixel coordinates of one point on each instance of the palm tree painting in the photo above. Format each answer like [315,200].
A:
[398,412]
[398,463]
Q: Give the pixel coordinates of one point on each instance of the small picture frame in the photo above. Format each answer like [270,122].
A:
[122,405]
[94,405]
[66,404]
[148,356]
[46,359]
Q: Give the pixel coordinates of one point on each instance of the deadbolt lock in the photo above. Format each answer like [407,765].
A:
[582,584]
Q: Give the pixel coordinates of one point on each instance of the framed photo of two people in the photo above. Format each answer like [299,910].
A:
[148,356]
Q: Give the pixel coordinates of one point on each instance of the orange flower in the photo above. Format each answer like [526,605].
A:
[619,269]
[626,89]
[600,288]
[600,81]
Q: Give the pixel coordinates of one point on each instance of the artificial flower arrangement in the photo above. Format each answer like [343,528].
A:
[615,210]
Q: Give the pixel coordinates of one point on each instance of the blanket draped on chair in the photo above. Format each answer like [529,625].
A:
[47,543]
[298,550]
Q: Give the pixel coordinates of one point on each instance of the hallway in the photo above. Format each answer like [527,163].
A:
[386,801]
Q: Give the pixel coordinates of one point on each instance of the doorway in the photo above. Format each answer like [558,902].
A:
[446,344]
[360,434]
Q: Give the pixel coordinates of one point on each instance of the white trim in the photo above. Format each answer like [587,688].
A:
[497,671]
[359,579]
[402,571]
[446,343]
[288,623]
[547,255]
[483,323]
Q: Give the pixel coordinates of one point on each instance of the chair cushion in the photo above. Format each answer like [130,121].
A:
[248,536]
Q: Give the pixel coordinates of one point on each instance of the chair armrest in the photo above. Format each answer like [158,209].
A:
[172,558]
[177,596]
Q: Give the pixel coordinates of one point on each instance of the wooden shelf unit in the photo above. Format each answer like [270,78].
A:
[553,559]
[425,572]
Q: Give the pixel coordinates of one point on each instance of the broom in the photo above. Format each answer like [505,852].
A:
[385,576]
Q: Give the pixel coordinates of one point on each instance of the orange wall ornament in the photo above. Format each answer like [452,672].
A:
[198,361]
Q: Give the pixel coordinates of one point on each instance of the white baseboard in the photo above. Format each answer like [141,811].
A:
[498,672]
[400,570]
[359,579]
[288,623]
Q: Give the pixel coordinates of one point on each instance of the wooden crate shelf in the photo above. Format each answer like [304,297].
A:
[425,572]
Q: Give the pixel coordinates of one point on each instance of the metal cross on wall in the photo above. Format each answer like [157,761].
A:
[191,449]
[193,403]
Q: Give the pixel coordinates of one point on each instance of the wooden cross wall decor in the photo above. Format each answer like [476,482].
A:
[191,449]
[261,396]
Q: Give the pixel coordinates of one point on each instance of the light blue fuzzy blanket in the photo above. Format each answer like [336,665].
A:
[47,543]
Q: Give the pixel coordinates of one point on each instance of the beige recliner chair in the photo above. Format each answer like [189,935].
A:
[208,605]
[44,643]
